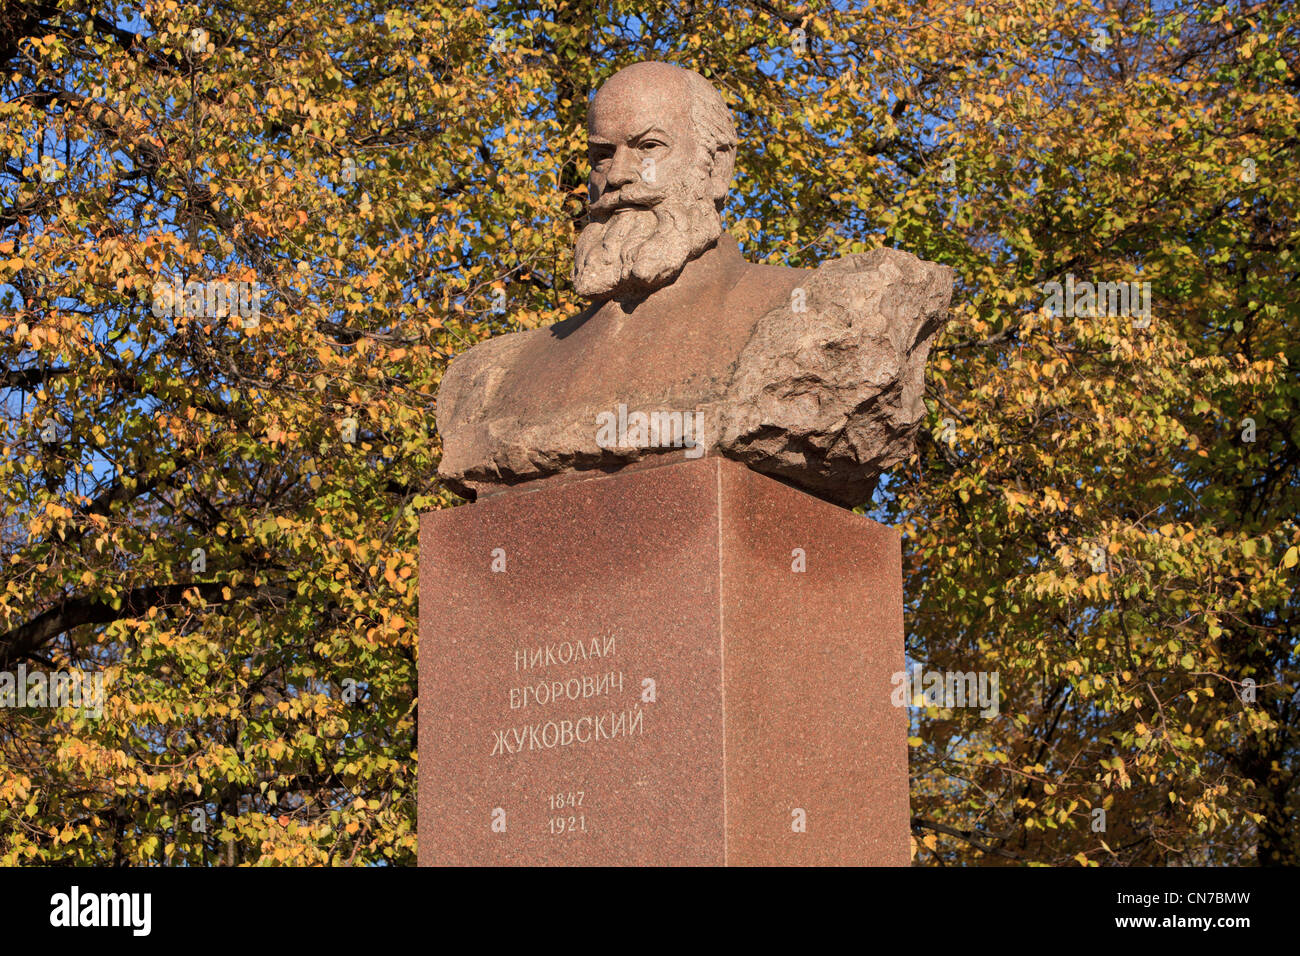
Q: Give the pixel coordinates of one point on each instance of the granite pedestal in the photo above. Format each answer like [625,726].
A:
[687,664]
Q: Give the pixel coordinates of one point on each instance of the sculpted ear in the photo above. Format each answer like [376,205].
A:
[724,164]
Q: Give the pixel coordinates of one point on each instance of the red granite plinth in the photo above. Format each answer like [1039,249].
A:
[629,670]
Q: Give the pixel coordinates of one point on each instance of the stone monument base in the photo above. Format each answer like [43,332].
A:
[685,664]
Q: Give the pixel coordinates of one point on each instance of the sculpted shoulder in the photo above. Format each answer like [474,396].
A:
[814,376]
[473,377]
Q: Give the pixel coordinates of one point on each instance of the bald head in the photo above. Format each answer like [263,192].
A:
[667,88]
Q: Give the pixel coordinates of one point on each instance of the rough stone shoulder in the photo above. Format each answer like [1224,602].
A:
[852,320]
[470,380]
[929,284]
[829,387]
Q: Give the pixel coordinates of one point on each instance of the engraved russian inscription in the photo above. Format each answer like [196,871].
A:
[585,728]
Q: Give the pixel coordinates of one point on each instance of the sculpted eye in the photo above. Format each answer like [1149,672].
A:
[651,144]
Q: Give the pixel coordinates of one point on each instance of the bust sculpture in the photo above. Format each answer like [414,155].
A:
[811,376]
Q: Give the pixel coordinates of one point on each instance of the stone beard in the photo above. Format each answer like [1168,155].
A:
[640,236]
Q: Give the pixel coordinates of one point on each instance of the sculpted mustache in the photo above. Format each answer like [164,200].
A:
[635,198]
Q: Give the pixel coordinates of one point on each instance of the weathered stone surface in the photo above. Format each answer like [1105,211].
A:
[824,399]
[829,398]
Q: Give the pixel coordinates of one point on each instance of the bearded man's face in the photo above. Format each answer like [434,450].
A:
[652,198]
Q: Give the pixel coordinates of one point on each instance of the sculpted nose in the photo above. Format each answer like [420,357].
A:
[623,169]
